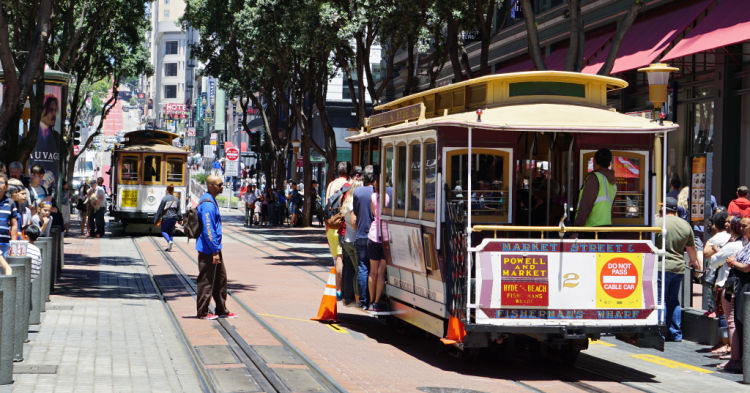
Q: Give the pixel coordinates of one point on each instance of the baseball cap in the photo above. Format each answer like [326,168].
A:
[671,203]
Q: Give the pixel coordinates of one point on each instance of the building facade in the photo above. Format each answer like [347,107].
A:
[709,40]
[171,87]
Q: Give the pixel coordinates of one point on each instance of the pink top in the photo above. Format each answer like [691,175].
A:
[374,234]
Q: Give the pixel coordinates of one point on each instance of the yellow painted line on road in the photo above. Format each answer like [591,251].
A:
[290,318]
[602,343]
[669,363]
[337,328]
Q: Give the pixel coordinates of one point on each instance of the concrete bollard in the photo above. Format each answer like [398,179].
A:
[7,327]
[56,239]
[745,337]
[61,260]
[22,269]
[45,244]
[35,316]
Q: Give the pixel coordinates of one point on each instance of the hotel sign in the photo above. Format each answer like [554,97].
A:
[407,113]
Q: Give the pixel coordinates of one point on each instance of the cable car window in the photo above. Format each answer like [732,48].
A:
[174,170]
[401,177]
[415,179]
[630,170]
[490,176]
[129,169]
[388,163]
[152,169]
[430,177]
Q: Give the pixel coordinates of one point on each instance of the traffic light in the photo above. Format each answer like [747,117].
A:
[77,136]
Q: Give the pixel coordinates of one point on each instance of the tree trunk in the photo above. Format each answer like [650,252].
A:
[576,30]
[535,51]
[452,48]
[622,29]
[485,31]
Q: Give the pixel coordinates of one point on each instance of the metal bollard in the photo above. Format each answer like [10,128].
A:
[55,261]
[686,300]
[35,316]
[22,269]
[7,327]
[746,337]
[45,244]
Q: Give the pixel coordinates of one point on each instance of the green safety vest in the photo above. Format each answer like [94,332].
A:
[601,212]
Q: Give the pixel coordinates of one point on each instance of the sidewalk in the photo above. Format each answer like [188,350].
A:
[105,329]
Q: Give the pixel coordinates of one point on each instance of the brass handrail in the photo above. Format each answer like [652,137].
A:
[563,229]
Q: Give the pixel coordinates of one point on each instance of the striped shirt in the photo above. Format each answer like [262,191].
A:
[36,260]
[7,213]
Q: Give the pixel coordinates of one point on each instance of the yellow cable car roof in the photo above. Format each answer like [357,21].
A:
[541,117]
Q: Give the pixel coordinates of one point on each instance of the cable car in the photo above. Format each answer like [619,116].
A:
[142,167]
[480,178]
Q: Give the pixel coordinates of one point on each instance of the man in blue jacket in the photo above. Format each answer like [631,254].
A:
[212,276]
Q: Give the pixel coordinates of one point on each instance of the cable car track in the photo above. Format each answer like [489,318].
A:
[258,368]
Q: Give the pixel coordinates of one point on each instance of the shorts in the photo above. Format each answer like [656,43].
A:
[375,250]
[333,242]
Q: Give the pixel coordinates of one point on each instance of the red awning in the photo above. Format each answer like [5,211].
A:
[727,24]
[556,60]
[648,38]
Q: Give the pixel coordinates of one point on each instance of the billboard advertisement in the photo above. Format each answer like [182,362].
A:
[47,149]
[582,281]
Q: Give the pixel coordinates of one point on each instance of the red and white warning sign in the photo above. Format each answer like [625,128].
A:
[619,280]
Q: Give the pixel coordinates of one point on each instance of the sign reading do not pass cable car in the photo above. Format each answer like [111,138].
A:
[232,167]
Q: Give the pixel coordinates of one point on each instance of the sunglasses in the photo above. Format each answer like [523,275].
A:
[219,184]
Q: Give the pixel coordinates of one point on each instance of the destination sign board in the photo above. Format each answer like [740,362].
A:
[400,115]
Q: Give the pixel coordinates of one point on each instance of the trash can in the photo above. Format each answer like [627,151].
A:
[7,328]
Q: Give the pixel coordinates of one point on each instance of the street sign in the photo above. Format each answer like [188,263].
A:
[233,154]
[76,149]
[232,166]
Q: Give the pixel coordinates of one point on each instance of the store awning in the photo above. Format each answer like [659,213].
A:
[727,24]
[648,38]
[556,60]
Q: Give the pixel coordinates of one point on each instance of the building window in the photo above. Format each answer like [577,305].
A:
[166,13]
[152,169]
[174,170]
[166,1]
[170,91]
[171,48]
[170,69]
[415,179]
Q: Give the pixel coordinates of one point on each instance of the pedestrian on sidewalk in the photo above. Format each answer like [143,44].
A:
[363,220]
[167,215]
[332,234]
[212,275]
[375,238]
[97,200]
[740,205]
[8,217]
[679,239]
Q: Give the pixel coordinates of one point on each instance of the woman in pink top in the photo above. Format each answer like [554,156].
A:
[376,277]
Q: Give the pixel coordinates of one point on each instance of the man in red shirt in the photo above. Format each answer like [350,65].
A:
[740,205]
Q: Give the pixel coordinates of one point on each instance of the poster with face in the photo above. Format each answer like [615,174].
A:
[47,150]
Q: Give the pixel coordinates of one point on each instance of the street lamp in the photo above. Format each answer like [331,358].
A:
[295,148]
[658,77]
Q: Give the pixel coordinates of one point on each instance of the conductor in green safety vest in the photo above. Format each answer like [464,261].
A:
[597,194]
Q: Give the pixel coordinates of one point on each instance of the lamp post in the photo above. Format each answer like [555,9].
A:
[658,77]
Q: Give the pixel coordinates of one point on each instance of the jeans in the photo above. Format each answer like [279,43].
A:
[96,221]
[363,269]
[673,318]
[4,249]
[167,228]
[349,275]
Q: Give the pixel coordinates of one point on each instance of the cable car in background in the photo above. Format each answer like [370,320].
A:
[142,168]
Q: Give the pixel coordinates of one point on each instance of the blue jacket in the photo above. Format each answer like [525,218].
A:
[209,241]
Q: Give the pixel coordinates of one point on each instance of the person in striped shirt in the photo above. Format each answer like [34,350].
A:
[32,233]
[8,217]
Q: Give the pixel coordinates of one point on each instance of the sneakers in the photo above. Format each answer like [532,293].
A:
[338,296]
[169,246]
[229,315]
[374,307]
[209,316]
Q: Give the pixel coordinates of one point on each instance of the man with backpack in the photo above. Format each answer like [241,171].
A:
[212,276]
[334,224]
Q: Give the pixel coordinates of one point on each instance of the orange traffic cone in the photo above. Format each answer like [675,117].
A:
[327,310]
[456,332]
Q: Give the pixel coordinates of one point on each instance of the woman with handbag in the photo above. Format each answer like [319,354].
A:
[717,265]
[82,206]
[736,284]
[168,215]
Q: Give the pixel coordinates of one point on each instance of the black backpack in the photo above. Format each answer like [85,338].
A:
[193,224]
[331,212]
